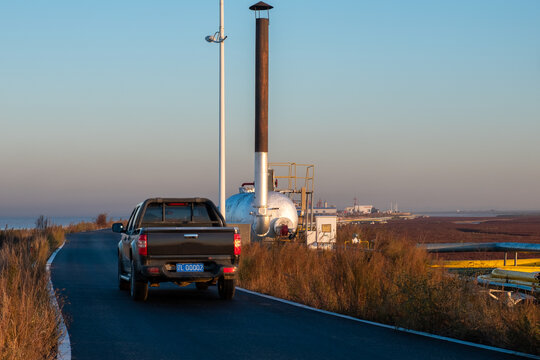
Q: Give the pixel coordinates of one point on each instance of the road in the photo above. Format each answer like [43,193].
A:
[184,323]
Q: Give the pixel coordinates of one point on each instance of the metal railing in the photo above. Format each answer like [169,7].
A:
[295,181]
[299,188]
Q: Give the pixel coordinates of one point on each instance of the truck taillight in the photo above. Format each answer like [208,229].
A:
[237,244]
[142,245]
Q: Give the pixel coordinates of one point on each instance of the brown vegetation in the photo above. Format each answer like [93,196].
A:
[28,321]
[393,284]
[101,222]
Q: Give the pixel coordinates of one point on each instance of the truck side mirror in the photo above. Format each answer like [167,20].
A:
[118,228]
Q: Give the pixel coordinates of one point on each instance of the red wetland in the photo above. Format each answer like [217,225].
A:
[425,230]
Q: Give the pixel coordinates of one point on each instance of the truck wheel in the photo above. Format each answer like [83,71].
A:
[139,289]
[226,288]
[122,284]
[201,286]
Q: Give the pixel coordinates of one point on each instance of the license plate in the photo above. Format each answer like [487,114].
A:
[189,267]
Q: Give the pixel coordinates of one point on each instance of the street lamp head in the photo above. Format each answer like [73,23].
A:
[216,38]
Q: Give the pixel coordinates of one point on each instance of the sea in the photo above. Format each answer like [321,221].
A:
[29,222]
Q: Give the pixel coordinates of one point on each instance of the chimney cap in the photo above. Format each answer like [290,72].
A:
[260,6]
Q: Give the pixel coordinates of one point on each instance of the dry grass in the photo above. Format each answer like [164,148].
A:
[28,321]
[394,285]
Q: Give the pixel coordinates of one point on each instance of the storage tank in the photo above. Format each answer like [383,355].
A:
[281,211]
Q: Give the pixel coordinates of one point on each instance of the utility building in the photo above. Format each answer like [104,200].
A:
[324,236]
[359,209]
[324,211]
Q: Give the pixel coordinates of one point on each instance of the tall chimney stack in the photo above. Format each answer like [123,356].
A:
[261,224]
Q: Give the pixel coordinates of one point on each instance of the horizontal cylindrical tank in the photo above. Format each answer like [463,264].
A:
[283,218]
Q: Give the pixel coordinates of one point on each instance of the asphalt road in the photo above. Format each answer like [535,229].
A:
[184,323]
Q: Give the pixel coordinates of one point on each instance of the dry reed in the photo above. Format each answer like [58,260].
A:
[28,321]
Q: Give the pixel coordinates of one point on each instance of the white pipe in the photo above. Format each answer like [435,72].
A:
[261,182]
[261,221]
[221,111]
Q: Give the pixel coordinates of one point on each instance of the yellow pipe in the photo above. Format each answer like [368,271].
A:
[527,277]
[526,273]
[461,264]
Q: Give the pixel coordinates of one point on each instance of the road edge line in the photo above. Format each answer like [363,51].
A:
[421,333]
[64,345]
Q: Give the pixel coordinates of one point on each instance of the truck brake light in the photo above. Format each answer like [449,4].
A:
[237,244]
[142,245]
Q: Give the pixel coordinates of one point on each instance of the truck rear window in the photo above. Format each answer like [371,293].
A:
[179,213]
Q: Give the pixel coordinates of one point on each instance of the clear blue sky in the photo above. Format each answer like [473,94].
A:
[431,104]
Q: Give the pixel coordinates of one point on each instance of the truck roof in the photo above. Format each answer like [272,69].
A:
[164,200]
[171,199]
[167,199]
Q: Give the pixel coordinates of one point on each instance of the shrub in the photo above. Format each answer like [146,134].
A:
[101,220]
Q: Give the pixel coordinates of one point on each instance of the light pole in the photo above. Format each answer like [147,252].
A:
[219,37]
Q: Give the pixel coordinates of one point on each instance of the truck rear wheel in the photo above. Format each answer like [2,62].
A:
[139,289]
[122,284]
[226,288]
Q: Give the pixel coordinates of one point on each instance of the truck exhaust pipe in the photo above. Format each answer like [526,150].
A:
[261,223]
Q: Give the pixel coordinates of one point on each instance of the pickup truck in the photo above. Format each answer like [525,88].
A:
[180,240]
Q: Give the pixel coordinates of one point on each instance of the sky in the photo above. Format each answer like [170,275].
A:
[434,105]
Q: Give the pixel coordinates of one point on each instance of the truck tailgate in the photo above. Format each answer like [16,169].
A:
[184,241]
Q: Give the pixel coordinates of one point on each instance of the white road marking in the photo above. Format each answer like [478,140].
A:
[421,333]
[64,345]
